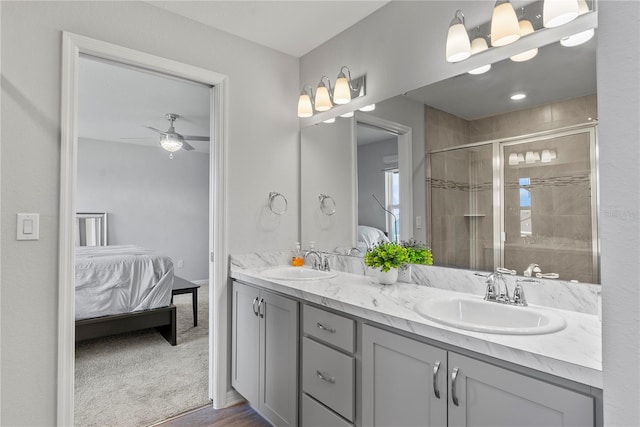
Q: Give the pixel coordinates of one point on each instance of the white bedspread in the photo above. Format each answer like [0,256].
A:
[120,279]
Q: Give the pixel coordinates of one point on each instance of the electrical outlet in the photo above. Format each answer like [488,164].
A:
[418,222]
[180,263]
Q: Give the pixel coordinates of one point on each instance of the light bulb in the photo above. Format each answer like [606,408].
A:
[342,91]
[478,45]
[559,12]
[305,109]
[323,100]
[504,24]
[513,159]
[525,28]
[583,37]
[458,45]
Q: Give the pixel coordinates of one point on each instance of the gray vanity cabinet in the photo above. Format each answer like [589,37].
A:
[264,352]
[403,381]
[483,394]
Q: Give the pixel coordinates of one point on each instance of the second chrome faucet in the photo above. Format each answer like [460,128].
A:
[498,291]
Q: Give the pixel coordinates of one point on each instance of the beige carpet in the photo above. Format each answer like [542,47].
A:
[137,379]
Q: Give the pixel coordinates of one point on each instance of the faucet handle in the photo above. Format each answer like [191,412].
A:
[518,293]
[506,271]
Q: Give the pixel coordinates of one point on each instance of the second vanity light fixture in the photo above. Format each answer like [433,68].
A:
[506,29]
[344,90]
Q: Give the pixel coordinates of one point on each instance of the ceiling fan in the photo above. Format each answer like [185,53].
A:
[171,140]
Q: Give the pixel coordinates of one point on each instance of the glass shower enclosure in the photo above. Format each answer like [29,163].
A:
[518,201]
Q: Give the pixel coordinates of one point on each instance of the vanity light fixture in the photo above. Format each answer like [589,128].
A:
[479,44]
[369,107]
[525,28]
[518,96]
[323,95]
[305,102]
[458,44]
[580,38]
[559,12]
[504,24]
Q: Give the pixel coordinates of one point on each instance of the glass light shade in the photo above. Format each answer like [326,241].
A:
[504,24]
[546,156]
[369,107]
[170,144]
[478,45]
[577,39]
[331,120]
[525,28]
[513,159]
[529,157]
[305,109]
[347,115]
[342,91]
[458,44]
[559,12]
[536,156]
[520,158]
[323,100]
[553,154]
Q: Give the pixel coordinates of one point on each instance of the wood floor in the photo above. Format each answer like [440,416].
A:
[236,416]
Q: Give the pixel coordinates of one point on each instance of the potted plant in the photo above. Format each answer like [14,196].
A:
[386,257]
[418,253]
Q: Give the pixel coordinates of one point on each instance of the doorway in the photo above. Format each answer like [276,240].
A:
[73,47]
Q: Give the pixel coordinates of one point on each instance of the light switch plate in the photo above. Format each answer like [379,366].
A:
[28,226]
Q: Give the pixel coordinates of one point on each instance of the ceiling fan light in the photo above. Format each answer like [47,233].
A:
[170,143]
[342,90]
[504,24]
[559,12]
[458,45]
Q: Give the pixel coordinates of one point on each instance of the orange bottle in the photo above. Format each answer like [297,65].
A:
[297,260]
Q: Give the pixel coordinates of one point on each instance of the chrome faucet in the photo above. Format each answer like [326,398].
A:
[533,268]
[498,291]
[320,263]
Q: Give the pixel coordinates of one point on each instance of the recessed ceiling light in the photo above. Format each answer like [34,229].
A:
[518,96]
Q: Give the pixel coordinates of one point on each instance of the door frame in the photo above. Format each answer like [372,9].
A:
[73,46]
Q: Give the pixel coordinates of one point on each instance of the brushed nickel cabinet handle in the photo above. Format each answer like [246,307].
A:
[325,328]
[436,368]
[323,377]
[261,308]
[253,305]
[454,377]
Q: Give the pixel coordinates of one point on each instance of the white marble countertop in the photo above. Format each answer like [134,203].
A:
[574,353]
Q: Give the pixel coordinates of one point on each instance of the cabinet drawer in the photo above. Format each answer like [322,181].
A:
[328,376]
[316,415]
[328,327]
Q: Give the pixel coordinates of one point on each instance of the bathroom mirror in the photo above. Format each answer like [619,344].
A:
[474,208]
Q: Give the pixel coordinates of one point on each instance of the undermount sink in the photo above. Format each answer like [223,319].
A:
[490,317]
[297,273]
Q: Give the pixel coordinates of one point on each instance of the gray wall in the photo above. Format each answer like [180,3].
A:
[262,156]
[371,181]
[398,58]
[151,200]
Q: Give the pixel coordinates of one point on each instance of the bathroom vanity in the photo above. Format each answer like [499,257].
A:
[347,351]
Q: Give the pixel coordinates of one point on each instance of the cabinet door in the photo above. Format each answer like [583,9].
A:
[400,385]
[279,359]
[245,341]
[487,395]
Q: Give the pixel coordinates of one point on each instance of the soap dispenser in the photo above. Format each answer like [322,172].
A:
[297,260]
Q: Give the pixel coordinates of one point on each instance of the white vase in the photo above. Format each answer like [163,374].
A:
[388,277]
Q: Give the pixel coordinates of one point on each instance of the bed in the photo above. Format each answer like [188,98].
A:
[121,289]
[369,237]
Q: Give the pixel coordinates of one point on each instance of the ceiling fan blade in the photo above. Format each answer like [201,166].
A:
[186,146]
[156,130]
[196,138]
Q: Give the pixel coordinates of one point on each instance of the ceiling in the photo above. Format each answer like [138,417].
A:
[291,27]
[116,102]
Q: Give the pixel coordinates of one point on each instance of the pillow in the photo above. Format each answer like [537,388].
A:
[371,236]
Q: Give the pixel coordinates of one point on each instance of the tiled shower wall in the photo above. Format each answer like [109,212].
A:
[461,184]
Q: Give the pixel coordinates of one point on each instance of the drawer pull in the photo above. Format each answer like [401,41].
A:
[255,310]
[454,377]
[261,308]
[323,377]
[326,329]
[436,368]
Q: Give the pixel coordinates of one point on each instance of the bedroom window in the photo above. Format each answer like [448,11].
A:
[392,201]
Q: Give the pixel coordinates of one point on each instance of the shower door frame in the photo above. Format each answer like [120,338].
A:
[497,146]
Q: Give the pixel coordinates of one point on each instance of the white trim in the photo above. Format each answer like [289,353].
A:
[405,166]
[72,46]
